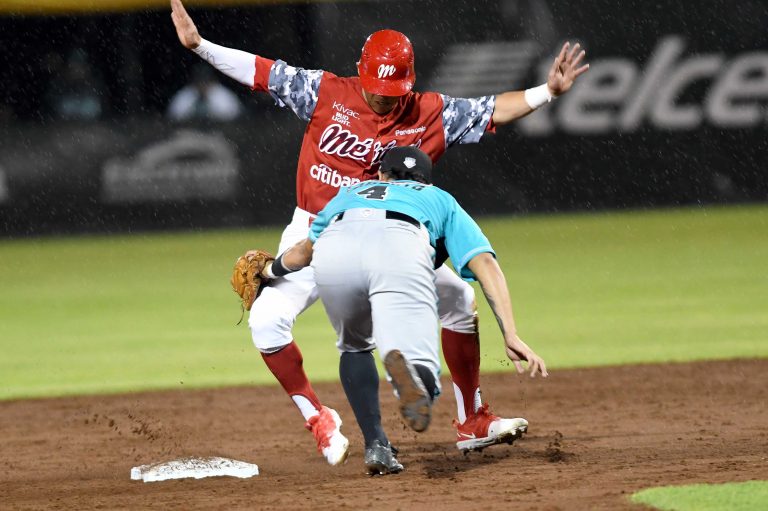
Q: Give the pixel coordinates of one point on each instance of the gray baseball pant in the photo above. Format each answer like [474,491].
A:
[376,279]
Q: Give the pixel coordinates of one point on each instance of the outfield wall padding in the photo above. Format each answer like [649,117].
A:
[672,111]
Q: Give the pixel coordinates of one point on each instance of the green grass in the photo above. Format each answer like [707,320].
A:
[638,287]
[111,314]
[749,496]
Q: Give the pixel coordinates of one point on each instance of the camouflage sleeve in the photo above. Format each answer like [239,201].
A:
[465,120]
[295,87]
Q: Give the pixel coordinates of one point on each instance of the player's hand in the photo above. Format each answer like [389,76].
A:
[519,352]
[185,27]
[565,69]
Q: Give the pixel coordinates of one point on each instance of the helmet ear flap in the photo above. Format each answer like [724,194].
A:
[386,65]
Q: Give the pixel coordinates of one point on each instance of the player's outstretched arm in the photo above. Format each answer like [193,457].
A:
[236,64]
[185,27]
[566,68]
[494,287]
[562,74]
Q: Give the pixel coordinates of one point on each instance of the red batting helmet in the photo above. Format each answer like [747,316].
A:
[386,64]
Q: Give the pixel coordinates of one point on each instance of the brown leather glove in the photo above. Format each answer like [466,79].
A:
[246,278]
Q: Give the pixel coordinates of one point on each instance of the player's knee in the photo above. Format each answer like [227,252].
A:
[467,302]
[458,310]
[267,336]
[270,324]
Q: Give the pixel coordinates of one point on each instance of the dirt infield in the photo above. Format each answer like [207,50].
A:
[596,436]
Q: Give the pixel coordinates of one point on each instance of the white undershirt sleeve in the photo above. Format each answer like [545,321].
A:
[238,65]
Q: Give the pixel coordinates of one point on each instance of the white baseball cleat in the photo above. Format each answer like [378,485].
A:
[483,429]
[326,428]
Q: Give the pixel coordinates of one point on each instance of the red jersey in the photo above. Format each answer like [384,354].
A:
[345,139]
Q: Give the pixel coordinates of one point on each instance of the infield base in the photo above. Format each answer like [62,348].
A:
[197,468]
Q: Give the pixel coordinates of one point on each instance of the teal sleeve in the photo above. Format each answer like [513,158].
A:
[322,220]
[343,201]
[318,226]
[464,240]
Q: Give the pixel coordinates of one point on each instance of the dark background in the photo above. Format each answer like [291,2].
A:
[51,171]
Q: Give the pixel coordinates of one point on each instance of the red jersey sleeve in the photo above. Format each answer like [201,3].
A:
[261,77]
[491,128]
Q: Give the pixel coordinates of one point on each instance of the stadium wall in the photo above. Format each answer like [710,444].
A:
[672,111]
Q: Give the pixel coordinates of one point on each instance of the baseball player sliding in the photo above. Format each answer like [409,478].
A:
[351,123]
[372,249]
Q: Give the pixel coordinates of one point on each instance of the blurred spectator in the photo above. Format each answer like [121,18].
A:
[204,99]
[75,94]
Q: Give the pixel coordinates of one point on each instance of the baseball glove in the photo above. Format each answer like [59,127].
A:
[247,279]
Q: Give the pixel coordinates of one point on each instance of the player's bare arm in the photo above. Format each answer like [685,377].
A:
[566,67]
[494,286]
[299,255]
[293,259]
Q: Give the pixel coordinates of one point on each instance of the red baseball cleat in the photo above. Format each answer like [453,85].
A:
[483,429]
[326,428]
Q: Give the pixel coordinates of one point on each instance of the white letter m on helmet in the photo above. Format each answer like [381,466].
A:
[386,70]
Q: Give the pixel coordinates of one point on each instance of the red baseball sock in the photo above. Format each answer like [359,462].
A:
[462,354]
[288,367]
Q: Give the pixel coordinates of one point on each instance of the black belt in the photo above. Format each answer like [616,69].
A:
[392,215]
[395,215]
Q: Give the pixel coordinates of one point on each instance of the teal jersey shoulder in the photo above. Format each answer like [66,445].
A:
[436,209]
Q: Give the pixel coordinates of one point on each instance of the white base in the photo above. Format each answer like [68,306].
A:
[194,467]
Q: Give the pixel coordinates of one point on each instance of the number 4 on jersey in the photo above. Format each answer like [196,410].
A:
[376,192]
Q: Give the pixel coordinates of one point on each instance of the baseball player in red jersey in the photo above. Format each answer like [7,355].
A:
[351,123]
